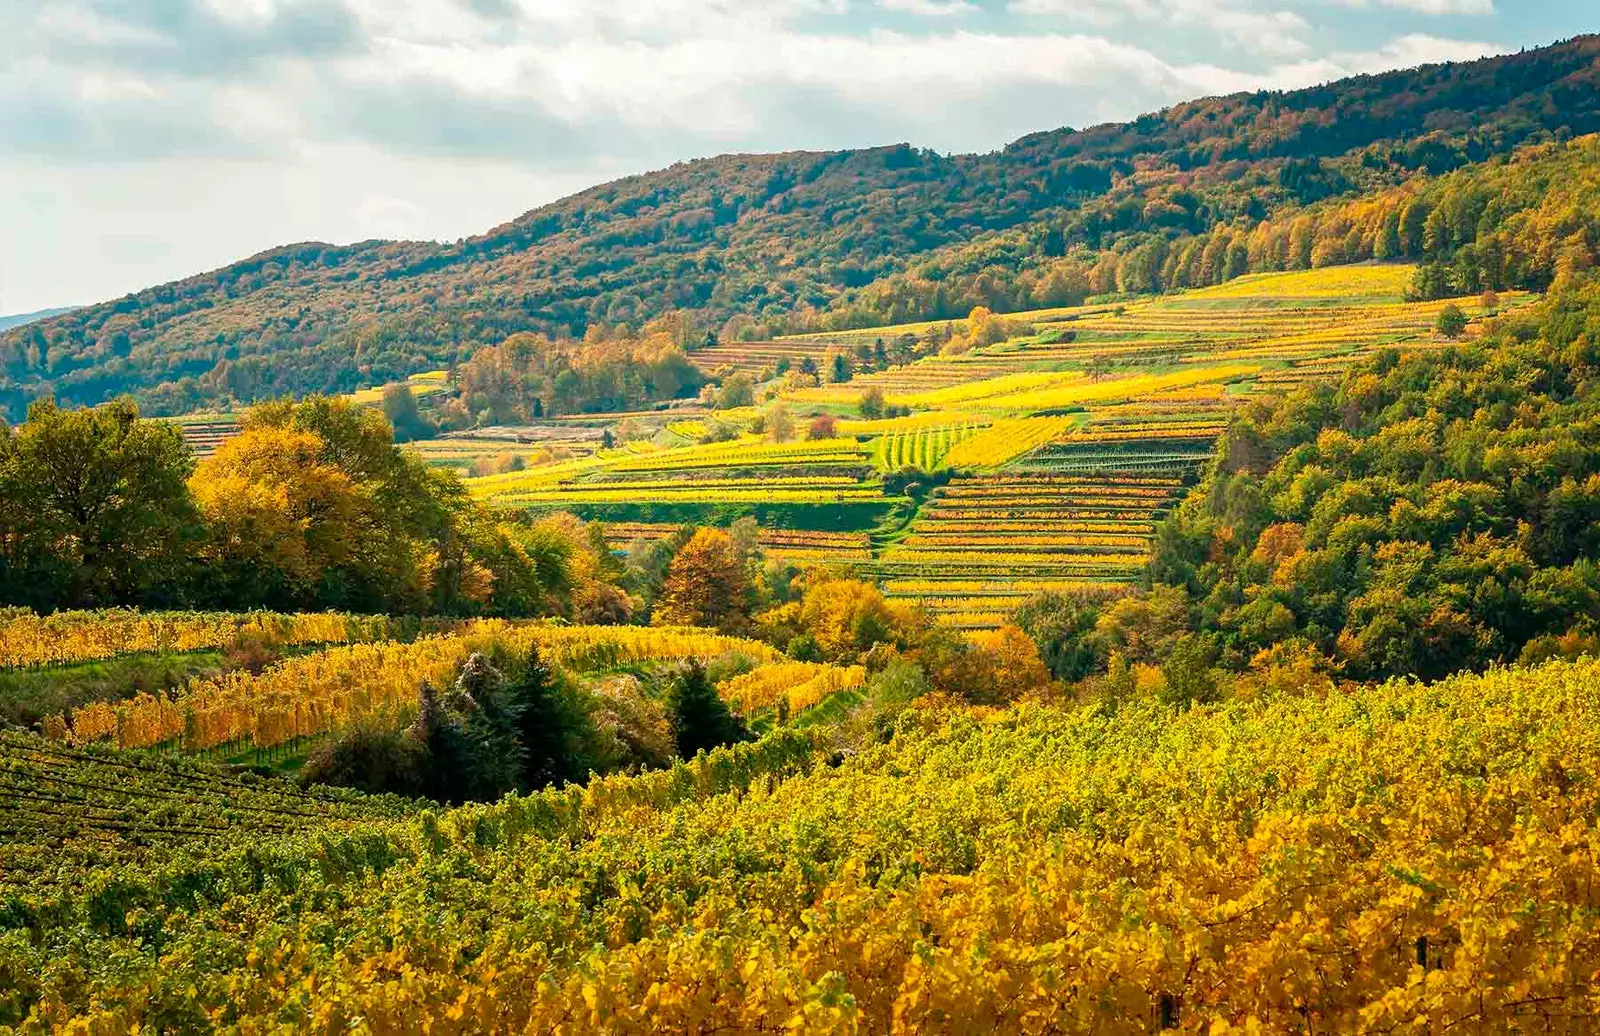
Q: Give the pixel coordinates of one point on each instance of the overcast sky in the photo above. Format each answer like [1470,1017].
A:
[143,140]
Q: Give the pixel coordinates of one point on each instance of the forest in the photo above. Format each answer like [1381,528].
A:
[759,245]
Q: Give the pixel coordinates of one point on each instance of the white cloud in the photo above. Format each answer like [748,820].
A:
[930,8]
[144,139]
[1274,33]
[1439,7]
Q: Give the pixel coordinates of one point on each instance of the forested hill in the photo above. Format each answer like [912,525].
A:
[779,238]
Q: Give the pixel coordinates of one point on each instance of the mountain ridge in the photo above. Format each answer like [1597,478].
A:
[774,239]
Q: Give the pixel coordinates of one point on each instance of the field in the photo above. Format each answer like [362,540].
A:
[755,357]
[1403,857]
[1040,461]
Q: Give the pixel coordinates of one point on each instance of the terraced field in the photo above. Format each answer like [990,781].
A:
[983,544]
[1041,462]
[754,357]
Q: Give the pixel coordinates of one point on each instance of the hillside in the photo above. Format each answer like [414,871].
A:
[1404,857]
[20,319]
[775,238]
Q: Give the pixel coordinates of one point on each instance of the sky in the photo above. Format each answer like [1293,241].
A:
[146,140]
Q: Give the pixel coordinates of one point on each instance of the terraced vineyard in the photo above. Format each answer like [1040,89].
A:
[205,433]
[755,357]
[798,546]
[101,805]
[1061,446]
[983,544]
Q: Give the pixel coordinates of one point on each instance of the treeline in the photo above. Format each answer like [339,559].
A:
[512,723]
[1435,511]
[528,376]
[1522,222]
[768,242]
[311,507]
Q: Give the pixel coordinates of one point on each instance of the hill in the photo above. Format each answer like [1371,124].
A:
[20,319]
[1407,856]
[772,239]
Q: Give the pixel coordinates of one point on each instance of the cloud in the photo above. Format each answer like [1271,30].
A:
[930,8]
[1276,33]
[551,82]
[1437,7]
[217,118]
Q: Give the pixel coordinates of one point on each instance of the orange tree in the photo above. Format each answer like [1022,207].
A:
[705,584]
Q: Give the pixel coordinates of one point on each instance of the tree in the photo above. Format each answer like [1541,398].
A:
[1187,673]
[700,719]
[312,504]
[705,584]
[400,407]
[846,617]
[1452,321]
[95,510]
[279,518]
[871,403]
[840,369]
[780,423]
[737,390]
[544,726]
[823,426]
[1061,624]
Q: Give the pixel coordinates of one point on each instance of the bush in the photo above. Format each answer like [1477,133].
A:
[1452,321]
[898,685]
[1187,675]
[631,731]
[369,759]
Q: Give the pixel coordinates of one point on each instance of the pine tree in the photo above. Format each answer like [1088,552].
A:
[490,720]
[700,719]
[543,726]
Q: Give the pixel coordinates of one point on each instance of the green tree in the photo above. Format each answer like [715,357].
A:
[95,508]
[737,390]
[400,407]
[1452,321]
[1187,676]
[1061,624]
[545,726]
[700,719]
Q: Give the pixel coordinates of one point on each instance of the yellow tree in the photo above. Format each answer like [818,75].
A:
[847,617]
[279,516]
[705,585]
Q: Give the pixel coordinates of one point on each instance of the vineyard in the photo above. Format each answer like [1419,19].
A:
[639,619]
[1061,444]
[1049,532]
[318,694]
[1407,857]
[27,639]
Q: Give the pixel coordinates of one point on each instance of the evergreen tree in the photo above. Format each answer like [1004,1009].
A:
[446,749]
[491,719]
[543,726]
[700,719]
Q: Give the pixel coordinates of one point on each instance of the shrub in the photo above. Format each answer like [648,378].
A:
[369,759]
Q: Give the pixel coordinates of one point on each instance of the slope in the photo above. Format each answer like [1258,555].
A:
[1406,857]
[772,236]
